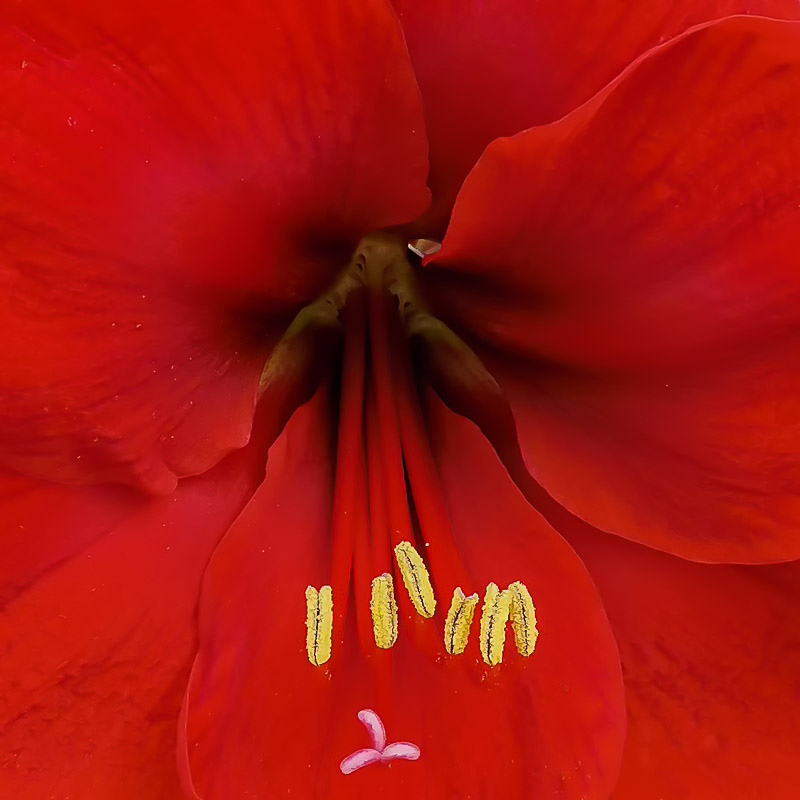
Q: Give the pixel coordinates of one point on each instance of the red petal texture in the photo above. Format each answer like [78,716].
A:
[97,650]
[703,465]
[493,68]
[261,719]
[711,658]
[640,258]
[156,159]
[43,524]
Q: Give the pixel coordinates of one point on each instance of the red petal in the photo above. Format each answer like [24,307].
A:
[96,652]
[711,656]
[150,152]
[259,716]
[632,233]
[212,142]
[43,524]
[700,464]
[131,389]
[493,69]
[629,253]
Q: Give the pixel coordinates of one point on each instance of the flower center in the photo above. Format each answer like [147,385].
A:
[391,539]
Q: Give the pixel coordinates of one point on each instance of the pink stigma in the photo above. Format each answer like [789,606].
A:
[380,751]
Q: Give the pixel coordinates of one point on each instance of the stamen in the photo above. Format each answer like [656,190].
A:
[319,624]
[383,456]
[416,578]
[394,482]
[423,476]
[384,611]
[523,618]
[378,522]
[378,253]
[496,609]
[349,452]
[379,548]
[459,621]
[362,567]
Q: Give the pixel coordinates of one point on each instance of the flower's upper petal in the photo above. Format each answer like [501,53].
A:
[259,716]
[206,142]
[711,655]
[489,69]
[97,645]
[640,259]
[151,155]
[633,233]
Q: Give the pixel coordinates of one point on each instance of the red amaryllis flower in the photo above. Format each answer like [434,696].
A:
[184,189]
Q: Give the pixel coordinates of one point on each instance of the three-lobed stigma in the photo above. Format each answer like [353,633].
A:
[513,604]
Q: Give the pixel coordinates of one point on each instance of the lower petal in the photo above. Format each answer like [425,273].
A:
[259,715]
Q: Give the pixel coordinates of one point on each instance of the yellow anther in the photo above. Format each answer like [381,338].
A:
[459,621]
[496,608]
[384,611]
[319,624]
[523,618]
[416,578]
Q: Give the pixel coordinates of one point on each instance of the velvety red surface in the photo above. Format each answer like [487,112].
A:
[159,159]
[640,273]
[490,68]
[176,180]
